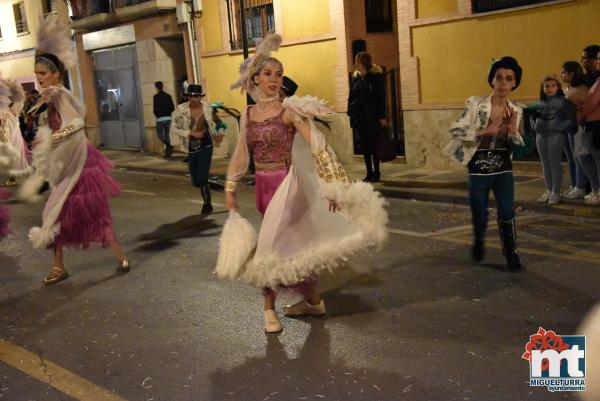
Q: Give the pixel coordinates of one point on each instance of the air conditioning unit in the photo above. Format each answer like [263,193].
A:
[183,13]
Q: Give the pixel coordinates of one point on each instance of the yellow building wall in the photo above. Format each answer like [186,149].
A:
[454,57]
[18,68]
[313,78]
[305,18]
[211,26]
[219,72]
[436,8]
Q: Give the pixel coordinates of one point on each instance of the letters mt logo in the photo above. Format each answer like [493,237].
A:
[556,362]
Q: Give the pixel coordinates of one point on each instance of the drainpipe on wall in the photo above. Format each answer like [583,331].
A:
[191,30]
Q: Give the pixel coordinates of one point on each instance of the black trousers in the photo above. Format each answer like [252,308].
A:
[368,140]
[199,164]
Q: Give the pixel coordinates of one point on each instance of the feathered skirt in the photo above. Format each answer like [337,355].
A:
[85,217]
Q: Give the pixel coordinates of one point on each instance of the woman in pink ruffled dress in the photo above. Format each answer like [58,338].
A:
[77,213]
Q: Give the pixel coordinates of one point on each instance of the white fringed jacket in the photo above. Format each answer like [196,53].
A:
[475,117]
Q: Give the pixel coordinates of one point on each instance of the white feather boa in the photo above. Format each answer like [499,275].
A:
[29,190]
[236,245]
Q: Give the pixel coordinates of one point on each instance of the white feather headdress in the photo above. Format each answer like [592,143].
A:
[252,65]
[55,39]
[17,95]
[4,95]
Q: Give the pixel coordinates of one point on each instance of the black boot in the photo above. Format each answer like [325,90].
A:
[376,176]
[207,207]
[508,239]
[478,249]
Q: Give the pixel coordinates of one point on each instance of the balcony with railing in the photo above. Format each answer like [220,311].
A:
[22,27]
[90,14]
[130,9]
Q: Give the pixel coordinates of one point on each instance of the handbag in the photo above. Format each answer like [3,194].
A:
[384,146]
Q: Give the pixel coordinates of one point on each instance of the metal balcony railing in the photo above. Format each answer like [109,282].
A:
[484,6]
[22,26]
[127,3]
[86,8]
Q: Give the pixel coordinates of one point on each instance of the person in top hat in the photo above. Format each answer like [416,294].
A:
[198,124]
[481,140]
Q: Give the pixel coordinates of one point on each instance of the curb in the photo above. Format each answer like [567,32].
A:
[562,209]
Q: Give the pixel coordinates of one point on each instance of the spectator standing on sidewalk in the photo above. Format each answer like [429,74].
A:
[366,108]
[590,116]
[481,141]
[553,118]
[588,60]
[575,93]
[163,108]
[197,123]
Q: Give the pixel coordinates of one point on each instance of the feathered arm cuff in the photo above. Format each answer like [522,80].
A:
[308,107]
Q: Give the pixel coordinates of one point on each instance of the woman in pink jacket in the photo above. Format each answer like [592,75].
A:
[590,117]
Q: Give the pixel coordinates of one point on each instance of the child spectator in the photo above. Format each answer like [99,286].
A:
[551,122]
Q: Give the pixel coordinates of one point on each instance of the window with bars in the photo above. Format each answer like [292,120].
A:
[484,6]
[20,18]
[48,6]
[379,15]
[259,17]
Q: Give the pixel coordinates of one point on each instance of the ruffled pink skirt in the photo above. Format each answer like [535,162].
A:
[267,183]
[4,214]
[85,217]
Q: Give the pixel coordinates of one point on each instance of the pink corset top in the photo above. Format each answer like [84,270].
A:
[270,140]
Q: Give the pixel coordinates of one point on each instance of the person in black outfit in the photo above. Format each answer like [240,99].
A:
[587,60]
[163,107]
[366,108]
[198,123]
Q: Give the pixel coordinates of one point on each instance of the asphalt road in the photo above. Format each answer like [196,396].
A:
[415,320]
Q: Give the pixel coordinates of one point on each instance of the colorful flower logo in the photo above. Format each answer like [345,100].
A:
[544,340]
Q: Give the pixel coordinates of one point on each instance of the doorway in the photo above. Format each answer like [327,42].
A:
[118,97]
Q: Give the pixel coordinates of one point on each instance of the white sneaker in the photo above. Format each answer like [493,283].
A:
[272,323]
[575,193]
[592,193]
[593,200]
[553,199]
[303,308]
[566,191]
[544,198]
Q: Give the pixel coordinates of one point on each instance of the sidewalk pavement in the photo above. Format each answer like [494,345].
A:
[399,180]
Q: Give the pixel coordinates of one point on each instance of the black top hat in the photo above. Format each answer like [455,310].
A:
[289,86]
[508,63]
[194,89]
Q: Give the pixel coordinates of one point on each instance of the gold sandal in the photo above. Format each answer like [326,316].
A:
[56,274]
[123,266]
